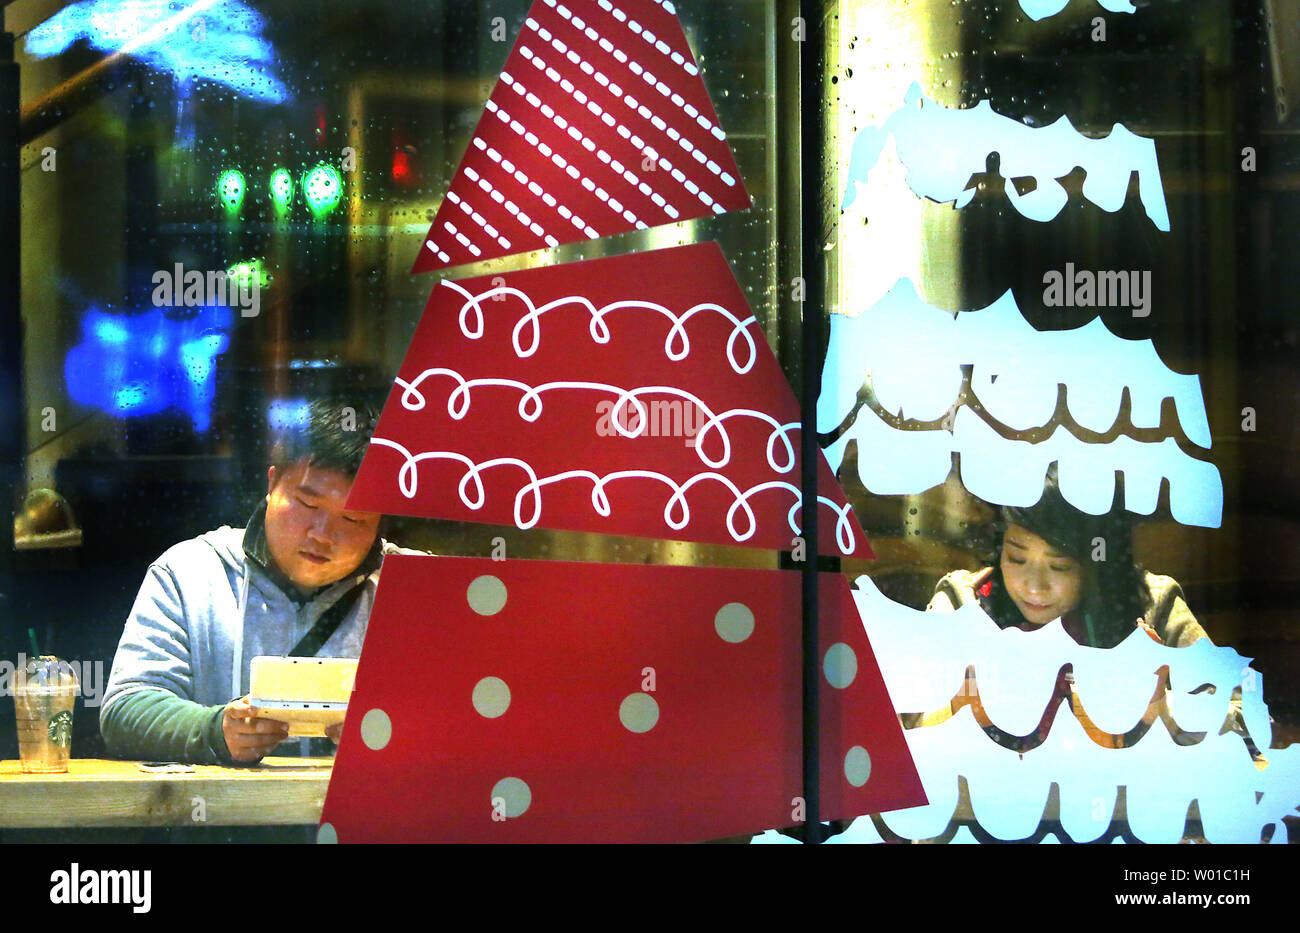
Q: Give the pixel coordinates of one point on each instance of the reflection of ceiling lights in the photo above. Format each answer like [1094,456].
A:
[323,188]
[213,40]
[281,190]
[230,191]
[249,272]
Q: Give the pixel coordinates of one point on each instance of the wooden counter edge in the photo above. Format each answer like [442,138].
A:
[95,793]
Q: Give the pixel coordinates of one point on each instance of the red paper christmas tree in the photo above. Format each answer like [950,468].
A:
[635,395]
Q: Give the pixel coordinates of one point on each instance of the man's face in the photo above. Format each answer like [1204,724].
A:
[312,538]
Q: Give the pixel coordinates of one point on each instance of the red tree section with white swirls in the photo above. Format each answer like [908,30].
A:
[599,124]
[634,395]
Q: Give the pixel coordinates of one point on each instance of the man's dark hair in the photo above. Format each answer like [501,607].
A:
[333,435]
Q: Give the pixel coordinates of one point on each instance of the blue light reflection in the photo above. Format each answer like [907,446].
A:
[213,40]
[144,364]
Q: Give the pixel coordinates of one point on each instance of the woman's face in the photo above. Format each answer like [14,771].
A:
[1043,583]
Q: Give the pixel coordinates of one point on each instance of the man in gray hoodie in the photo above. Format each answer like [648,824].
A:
[299,580]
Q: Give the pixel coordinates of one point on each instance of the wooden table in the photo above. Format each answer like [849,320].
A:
[99,793]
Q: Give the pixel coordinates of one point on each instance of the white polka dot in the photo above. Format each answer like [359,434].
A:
[326,835]
[486,595]
[514,795]
[840,665]
[376,729]
[638,712]
[734,622]
[491,697]
[857,766]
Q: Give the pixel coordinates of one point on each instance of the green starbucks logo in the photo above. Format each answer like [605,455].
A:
[60,730]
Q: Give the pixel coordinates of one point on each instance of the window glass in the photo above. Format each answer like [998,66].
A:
[221,205]
[1028,197]
[304,149]
[315,164]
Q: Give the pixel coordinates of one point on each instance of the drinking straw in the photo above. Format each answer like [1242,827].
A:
[31,633]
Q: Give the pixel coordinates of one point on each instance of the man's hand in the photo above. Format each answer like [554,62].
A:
[250,737]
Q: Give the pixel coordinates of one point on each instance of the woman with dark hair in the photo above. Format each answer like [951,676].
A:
[1052,561]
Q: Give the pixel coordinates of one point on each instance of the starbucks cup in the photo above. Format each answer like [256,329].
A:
[45,692]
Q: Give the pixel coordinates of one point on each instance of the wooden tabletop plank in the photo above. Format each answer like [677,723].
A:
[94,792]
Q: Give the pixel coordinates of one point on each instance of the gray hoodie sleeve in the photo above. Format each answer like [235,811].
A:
[154,651]
[148,710]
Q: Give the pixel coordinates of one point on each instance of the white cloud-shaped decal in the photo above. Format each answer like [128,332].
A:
[923,657]
[943,147]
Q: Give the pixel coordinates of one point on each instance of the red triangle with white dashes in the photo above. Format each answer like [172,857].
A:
[600,124]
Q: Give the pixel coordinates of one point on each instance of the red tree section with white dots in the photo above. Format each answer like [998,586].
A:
[631,395]
[599,124]
[540,701]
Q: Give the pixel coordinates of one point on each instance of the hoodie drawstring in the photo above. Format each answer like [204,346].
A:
[236,673]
